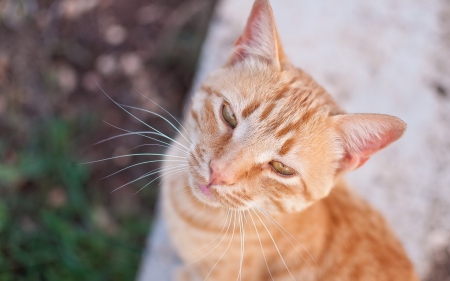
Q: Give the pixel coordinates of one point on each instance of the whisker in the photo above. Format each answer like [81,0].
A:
[131,114]
[138,154]
[152,144]
[175,173]
[231,240]
[165,119]
[243,245]
[286,238]
[260,244]
[220,242]
[142,134]
[242,236]
[176,120]
[141,163]
[274,222]
[224,225]
[169,172]
[141,177]
[275,244]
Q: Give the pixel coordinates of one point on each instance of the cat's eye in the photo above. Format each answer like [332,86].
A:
[281,168]
[229,116]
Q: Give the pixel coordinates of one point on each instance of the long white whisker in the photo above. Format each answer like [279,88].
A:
[142,134]
[277,223]
[139,154]
[165,119]
[176,120]
[260,243]
[173,173]
[275,244]
[223,228]
[148,144]
[154,144]
[143,176]
[220,242]
[231,240]
[270,220]
[169,172]
[243,245]
[242,236]
[131,114]
[141,163]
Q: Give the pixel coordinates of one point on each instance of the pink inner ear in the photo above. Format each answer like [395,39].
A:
[355,158]
[259,37]
[249,37]
[365,134]
[352,161]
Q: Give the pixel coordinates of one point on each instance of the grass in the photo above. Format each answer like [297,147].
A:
[51,224]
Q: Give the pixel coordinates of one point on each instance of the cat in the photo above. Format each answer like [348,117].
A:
[256,191]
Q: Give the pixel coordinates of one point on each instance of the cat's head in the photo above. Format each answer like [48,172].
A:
[267,135]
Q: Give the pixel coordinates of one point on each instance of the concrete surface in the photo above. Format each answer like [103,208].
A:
[381,56]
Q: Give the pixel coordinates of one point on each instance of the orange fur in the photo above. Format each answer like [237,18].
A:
[232,216]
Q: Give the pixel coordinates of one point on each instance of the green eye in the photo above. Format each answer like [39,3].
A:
[228,116]
[281,168]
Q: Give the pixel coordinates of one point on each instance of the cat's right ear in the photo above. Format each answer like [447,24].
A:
[260,37]
[362,135]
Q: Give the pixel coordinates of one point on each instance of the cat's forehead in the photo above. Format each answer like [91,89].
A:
[256,83]
[267,97]
[275,110]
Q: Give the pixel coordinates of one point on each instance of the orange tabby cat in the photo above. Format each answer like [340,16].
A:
[262,198]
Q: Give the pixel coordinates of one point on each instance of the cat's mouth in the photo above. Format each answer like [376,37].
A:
[206,190]
[209,194]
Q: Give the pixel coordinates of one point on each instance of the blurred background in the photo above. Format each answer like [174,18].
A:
[62,60]
[58,219]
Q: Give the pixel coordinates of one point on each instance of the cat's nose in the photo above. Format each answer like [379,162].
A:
[220,174]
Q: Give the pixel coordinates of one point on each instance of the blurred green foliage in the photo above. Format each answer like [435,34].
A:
[59,240]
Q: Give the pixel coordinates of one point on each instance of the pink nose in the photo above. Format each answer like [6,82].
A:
[220,174]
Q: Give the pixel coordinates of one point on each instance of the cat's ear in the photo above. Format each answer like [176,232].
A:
[362,135]
[260,37]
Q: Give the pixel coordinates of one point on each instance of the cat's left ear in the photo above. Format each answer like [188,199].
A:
[260,37]
[362,135]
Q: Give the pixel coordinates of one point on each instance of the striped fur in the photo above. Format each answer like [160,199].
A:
[254,223]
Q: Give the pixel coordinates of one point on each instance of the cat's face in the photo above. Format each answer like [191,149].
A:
[265,135]
[261,139]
